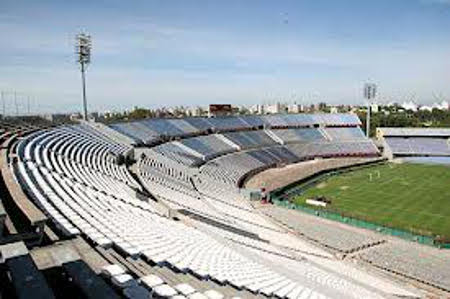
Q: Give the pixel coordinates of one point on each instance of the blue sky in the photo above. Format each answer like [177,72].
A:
[161,53]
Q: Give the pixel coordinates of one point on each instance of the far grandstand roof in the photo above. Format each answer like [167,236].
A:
[405,132]
[148,131]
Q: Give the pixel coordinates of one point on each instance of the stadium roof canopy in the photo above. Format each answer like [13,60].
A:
[416,132]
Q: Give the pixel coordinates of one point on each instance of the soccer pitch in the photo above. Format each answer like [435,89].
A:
[408,196]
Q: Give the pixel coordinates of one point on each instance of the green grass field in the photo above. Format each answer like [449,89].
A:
[414,197]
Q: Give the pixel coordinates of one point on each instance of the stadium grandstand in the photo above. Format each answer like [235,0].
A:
[404,142]
[160,208]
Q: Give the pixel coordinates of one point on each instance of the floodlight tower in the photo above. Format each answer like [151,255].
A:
[83,52]
[370,92]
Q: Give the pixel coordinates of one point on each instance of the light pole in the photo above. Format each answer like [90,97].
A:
[83,52]
[370,92]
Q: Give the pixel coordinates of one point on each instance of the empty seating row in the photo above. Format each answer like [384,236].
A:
[299,135]
[420,262]
[414,132]
[68,146]
[209,146]
[150,130]
[327,234]
[250,139]
[179,194]
[304,120]
[264,146]
[174,152]
[137,131]
[215,201]
[233,167]
[152,286]
[343,134]
[418,146]
[334,149]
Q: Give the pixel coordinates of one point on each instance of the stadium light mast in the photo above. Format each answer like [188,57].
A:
[370,92]
[83,52]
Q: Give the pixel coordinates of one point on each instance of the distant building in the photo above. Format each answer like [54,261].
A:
[75,116]
[334,109]
[374,108]
[220,110]
[409,106]
[260,109]
[295,108]
[253,109]
[195,111]
[273,108]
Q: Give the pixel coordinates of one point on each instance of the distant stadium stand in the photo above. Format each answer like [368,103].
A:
[415,141]
[150,130]
[250,139]
[209,146]
[413,132]
[304,135]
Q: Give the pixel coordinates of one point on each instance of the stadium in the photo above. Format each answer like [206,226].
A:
[275,206]
[224,149]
